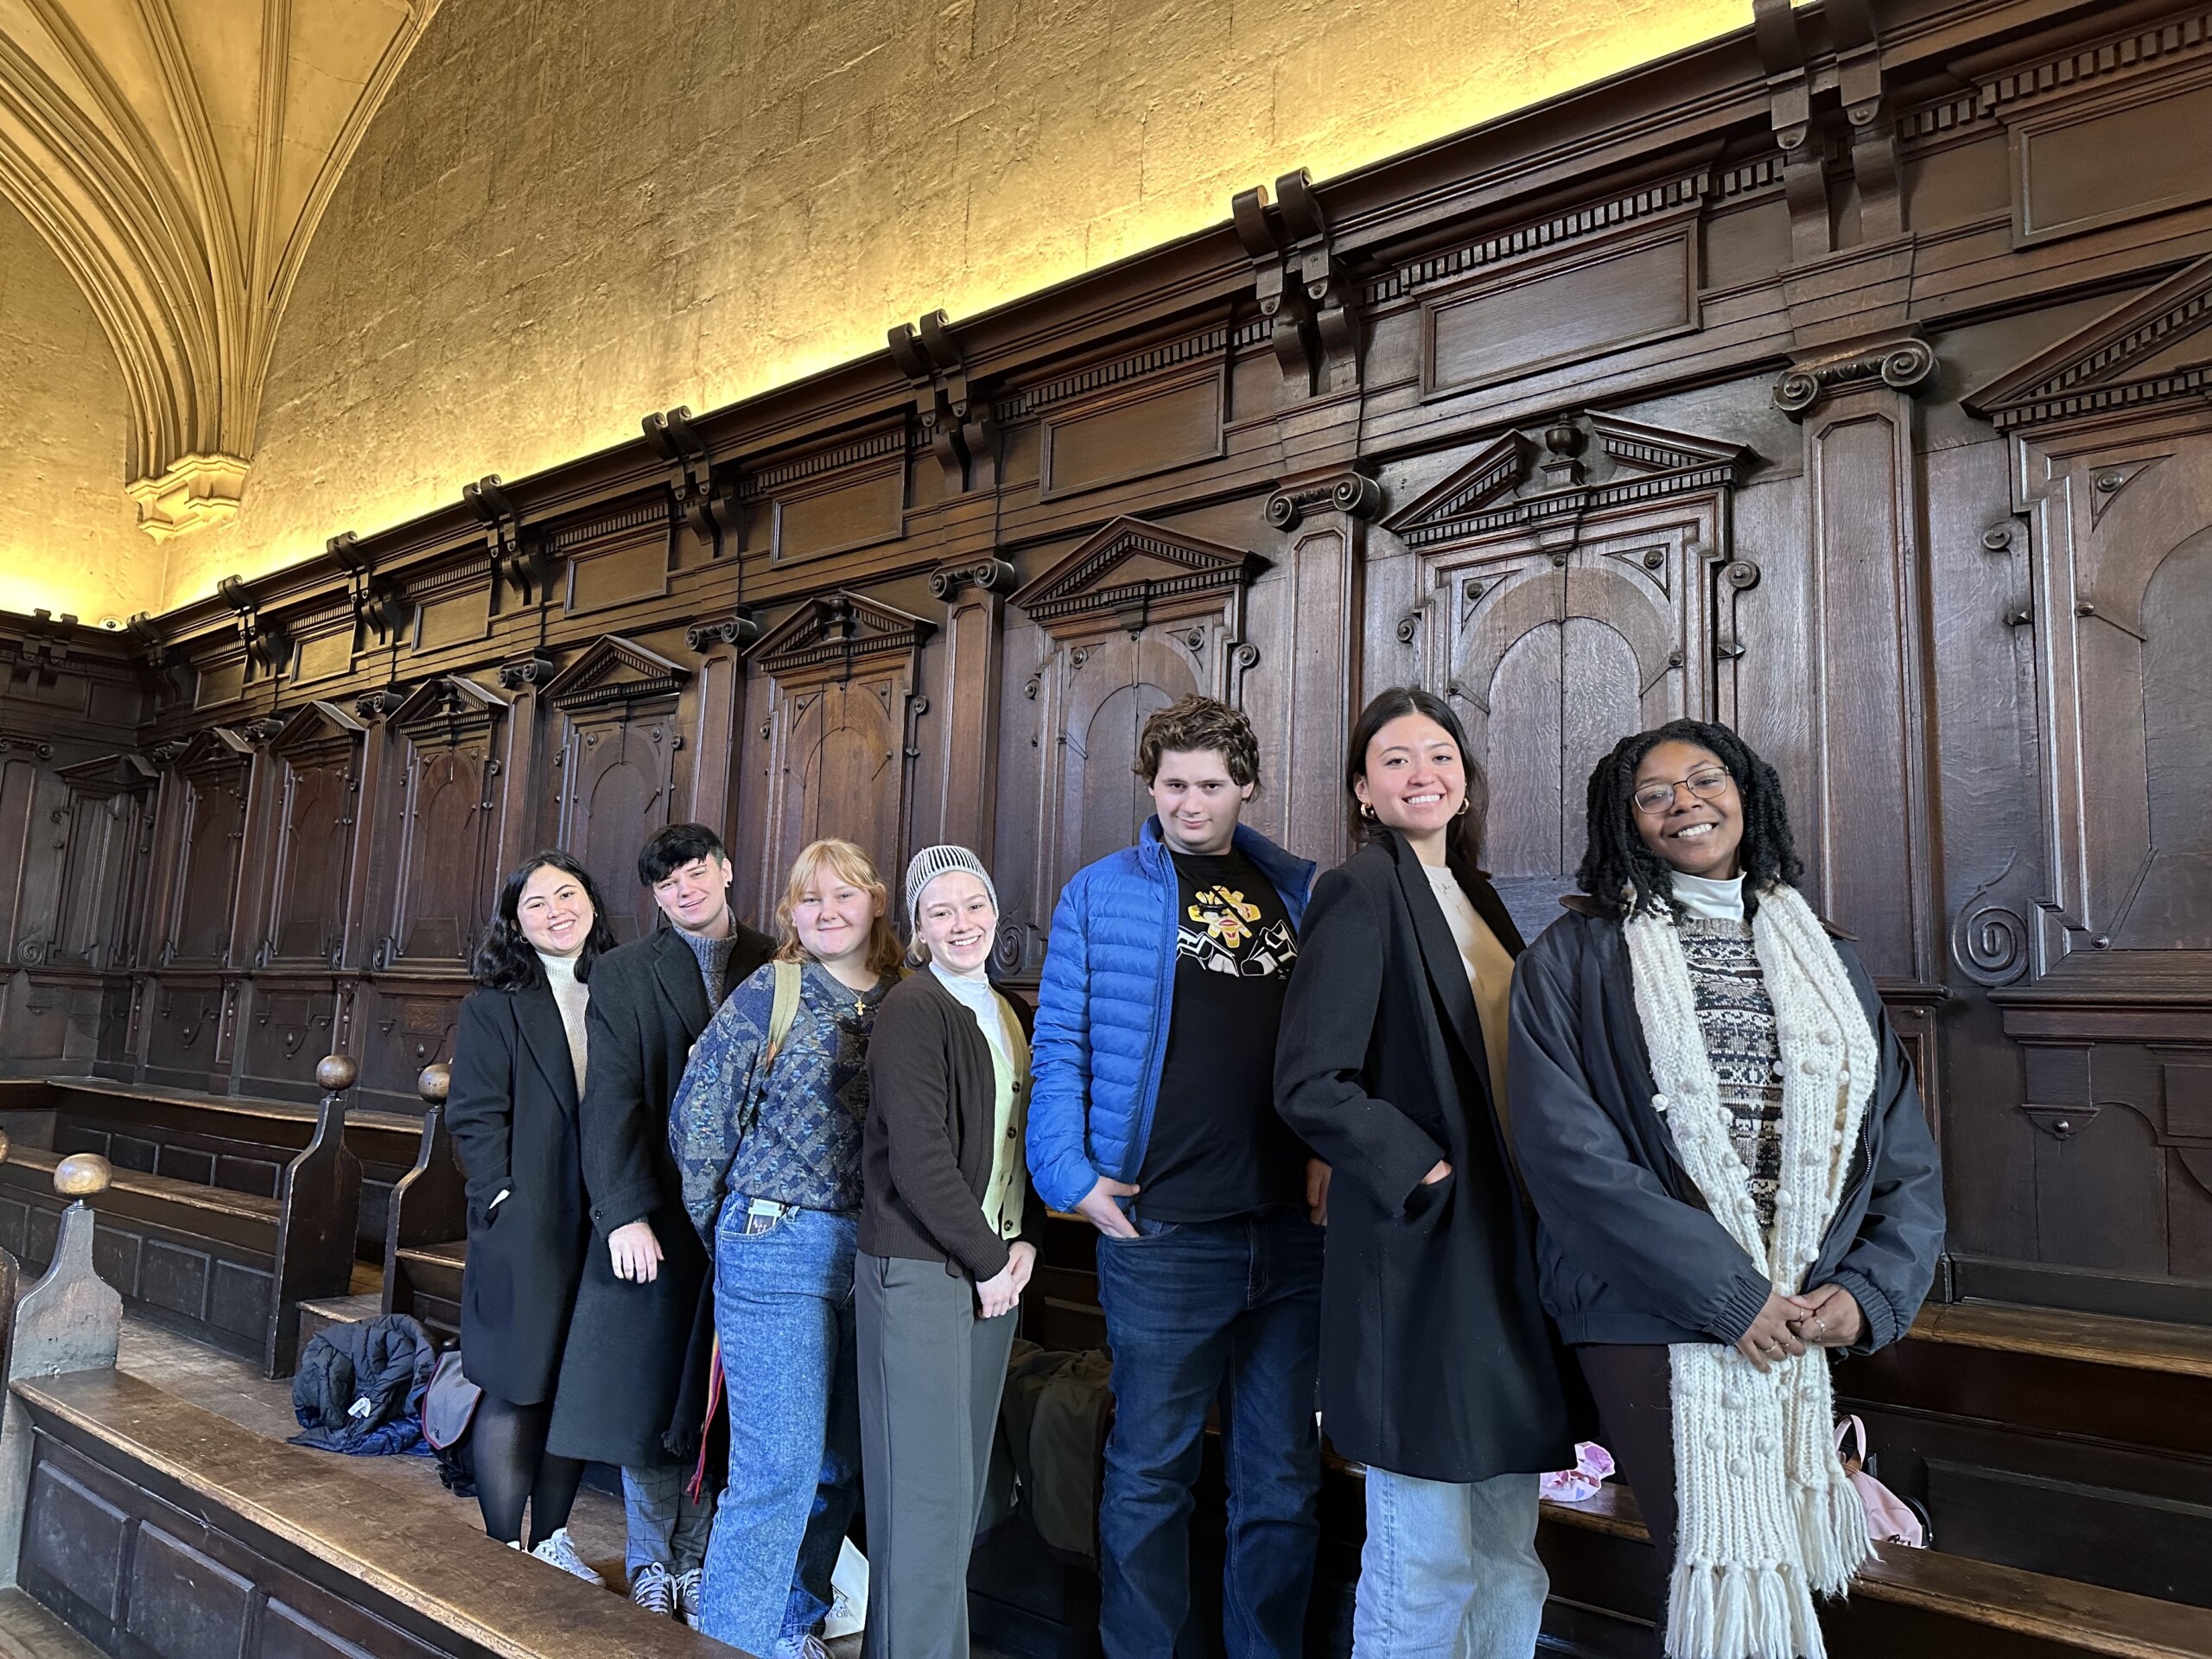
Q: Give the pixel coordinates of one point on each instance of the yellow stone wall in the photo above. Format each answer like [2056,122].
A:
[567,214]
[67,536]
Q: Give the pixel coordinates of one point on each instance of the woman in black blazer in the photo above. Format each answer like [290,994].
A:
[1439,1369]
[518,1067]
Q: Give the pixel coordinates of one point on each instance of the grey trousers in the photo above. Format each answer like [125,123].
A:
[932,1373]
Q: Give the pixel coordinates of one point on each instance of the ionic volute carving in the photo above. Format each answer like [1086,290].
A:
[989,575]
[1906,366]
[1303,288]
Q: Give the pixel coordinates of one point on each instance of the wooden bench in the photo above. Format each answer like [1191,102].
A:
[2061,1443]
[426,1238]
[230,1142]
[228,1267]
[155,1527]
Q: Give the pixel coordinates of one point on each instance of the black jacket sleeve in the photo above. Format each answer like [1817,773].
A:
[616,1129]
[1891,1262]
[1328,1021]
[479,1106]
[910,1084]
[1607,1212]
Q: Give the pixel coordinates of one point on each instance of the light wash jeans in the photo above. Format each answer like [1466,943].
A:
[666,1526]
[784,1312]
[1450,1570]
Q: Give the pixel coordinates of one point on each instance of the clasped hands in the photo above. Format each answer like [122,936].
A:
[1827,1318]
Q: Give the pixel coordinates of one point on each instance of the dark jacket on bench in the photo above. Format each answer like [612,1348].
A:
[624,1367]
[513,1112]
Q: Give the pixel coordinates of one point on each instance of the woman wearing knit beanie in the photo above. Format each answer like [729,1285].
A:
[1734,1180]
[945,1252]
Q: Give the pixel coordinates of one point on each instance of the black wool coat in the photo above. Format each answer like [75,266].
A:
[513,1110]
[624,1369]
[1437,1360]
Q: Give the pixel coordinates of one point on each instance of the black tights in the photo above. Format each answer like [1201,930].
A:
[514,1467]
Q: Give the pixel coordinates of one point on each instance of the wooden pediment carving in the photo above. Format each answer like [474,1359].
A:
[314,727]
[449,708]
[614,669]
[2155,348]
[832,632]
[211,749]
[1129,573]
[110,775]
[1581,466]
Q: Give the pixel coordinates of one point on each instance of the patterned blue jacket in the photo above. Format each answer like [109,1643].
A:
[1102,1009]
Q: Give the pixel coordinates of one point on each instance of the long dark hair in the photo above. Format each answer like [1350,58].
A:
[508,962]
[1625,877]
[1463,844]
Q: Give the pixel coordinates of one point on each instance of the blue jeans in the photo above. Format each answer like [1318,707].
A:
[1199,1311]
[784,1312]
[1450,1570]
[666,1526]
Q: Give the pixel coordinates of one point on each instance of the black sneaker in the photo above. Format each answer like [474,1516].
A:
[687,1598]
[653,1589]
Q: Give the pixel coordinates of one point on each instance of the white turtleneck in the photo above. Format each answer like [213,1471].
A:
[1708,900]
[569,996]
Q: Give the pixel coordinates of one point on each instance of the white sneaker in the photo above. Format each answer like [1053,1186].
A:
[653,1589]
[687,1597]
[560,1551]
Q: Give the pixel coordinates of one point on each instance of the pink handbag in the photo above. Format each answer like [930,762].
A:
[1889,1519]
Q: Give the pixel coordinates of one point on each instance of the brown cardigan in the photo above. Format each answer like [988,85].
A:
[925,1159]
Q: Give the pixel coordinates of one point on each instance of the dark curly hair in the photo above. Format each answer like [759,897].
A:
[505,961]
[1192,724]
[1626,878]
[1464,846]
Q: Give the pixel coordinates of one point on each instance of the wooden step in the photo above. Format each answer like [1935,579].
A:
[150,1514]
[2058,1334]
[319,1316]
[426,1282]
[2041,1613]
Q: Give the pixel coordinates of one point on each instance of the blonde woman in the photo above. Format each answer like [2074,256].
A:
[767,1139]
[946,1251]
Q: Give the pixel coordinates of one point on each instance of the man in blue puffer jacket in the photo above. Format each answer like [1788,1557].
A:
[1152,1115]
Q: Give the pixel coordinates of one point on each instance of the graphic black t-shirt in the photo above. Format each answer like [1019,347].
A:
[1218,1149]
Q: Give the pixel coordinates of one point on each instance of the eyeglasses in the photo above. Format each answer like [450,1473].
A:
[1708,785]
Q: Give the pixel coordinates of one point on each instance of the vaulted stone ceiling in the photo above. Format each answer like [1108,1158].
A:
[177,156]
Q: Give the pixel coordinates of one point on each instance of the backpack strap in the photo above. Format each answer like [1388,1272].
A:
[783,1011]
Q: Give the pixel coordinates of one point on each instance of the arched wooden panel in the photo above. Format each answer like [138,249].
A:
[452,737]
[2171,907]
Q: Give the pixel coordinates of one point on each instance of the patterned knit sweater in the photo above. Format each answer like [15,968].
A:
[805,1148]
[1736,1020]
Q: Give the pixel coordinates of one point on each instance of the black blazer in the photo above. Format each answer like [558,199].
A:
[932,1128]
[513,1112]
[1437,1360]
[625,1361]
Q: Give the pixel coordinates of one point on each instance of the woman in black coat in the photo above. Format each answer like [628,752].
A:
[1439,1369]
[517,1071]
[1733,1174]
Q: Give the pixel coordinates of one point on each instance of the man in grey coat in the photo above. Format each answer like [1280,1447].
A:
[623,1367]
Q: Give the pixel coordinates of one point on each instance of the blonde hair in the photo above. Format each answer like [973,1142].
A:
[847,862]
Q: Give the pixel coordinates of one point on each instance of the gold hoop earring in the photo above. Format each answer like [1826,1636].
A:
[1465,803]
[1366,811]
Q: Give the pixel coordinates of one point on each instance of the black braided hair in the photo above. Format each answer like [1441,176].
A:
[1627,878]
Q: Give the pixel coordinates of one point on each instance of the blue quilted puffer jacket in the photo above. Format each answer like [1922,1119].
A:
[1102,1009]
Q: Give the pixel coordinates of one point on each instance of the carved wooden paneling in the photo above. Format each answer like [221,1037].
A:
[617,556]
[616,765]
[318,755]
[842,670]
[448,732]
[831,501]
[1580,587]
[1147,429]
[103,879]
[204,832]
[33,817]
[967,710]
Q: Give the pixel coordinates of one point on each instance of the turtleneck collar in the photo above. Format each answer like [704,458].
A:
[558,968]
[1704,899]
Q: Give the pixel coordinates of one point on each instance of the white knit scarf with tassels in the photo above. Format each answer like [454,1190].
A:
[1766,1516]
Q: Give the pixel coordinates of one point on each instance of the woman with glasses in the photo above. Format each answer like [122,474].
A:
[1438,1370]
[1733,1178]
[947,1229]
[767,1130]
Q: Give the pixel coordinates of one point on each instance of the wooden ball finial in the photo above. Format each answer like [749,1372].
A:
[336,1071]
[81,1174]
[435,1083]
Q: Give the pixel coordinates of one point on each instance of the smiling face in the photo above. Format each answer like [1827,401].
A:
[1198,800]
[1698,828]
[833,915]
[956,920]
[695,896]
[553,912]
[1414,779]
